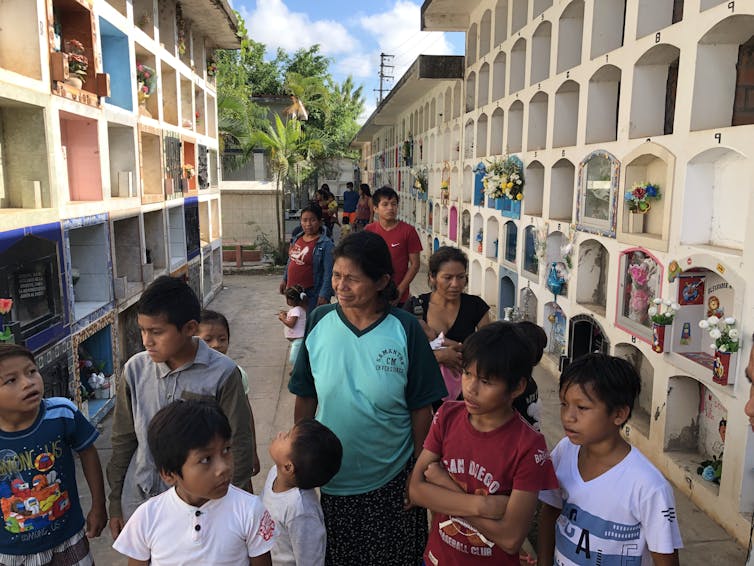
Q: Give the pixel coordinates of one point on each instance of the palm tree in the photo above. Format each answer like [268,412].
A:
[287,145]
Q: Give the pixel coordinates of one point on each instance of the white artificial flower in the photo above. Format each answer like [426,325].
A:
[713,346]
[703,324]
[667,302]
[651,311]
[657,301]
[723,348]
[715,333]
[675,307]
[733,333]
[730,320]
[713,320]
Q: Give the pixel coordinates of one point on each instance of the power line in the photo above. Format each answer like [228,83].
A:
[383,75]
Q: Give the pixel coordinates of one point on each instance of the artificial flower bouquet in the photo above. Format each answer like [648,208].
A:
[638,197]
[504,179]
[723,331]
[663,311]
[77,61]
[421,178]
[145,76]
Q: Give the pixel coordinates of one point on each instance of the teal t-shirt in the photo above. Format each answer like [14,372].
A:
[367,383]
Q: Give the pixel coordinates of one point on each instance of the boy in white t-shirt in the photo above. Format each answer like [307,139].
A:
[294,320]
[202,519]
[613,505]
[306,457]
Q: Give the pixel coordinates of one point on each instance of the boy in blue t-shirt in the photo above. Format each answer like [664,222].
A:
[42,518]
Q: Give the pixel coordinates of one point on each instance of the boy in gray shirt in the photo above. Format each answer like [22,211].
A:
[174,366]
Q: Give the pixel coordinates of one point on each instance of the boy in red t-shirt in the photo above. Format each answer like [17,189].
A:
[402,240]
[483,465]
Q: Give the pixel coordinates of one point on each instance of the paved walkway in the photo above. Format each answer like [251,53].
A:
[251,302]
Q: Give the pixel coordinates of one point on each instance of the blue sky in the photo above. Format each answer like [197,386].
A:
[352,34]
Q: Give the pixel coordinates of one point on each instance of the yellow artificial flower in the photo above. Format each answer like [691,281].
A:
[509,185]
[520,196]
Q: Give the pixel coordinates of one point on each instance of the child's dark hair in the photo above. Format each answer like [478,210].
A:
[384,193]
[181,427]
[371,254]
[171,297]
[13,351]
[537,338]
[210,317]
[501,351]
[296,295]
[316,454]
[611,380]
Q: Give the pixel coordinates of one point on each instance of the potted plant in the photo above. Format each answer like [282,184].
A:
[638,202]
[77,63]
[726,336]
[661,313]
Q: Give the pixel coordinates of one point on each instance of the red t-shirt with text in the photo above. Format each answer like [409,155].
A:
[300,266]
[402,240]
[513,456]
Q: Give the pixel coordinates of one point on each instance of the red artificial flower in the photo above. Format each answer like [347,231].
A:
[5,305]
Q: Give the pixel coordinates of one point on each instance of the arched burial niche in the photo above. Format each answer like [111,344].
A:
[555,326]
[433,112]
[468,184]
[485,33]
[499,66]
[527,303]
[570,35]
[593,268]
[654,92]
[465,228]
[496,132]
[471,45]
[640,418]
[655,15]
[537,135]
[693,425]
[654,164]
[518,66]
[599,175]
[511,241]
[602,105]
[519,15]
[481,136]
[723,69]
[515,126]
[475,278]
[490,288]
[447,105]
[586,336]
[561,190]
[453,228]
[492,236]
[566,114]
[540,6]
[477,233]
[507,293]
[534,189]
[457,100]
[445,221]
[531,263]
[722,178]
[437,217]
[470,91]
[501,21]
[540,53]
[556,241]
[608,20]
[640,277]
[483,96]
[468,139]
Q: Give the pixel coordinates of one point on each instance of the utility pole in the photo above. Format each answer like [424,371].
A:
[383,75]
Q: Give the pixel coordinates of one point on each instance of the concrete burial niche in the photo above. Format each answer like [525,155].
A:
[511,241]
[598,187]
[17,53]
[555,326]
[640,275]
[176,237]
[128,257]
[490,294]
[640,419]
[540,53]
[124,181]
[453,227]
[507,290]
[586,336]
[465,228]
[115,62]
[528,304]
[155,241]
[23,140]
[81,155]
[91,278]
[593,268]
[475,278]
[695,425]
[530,262]
[492,235]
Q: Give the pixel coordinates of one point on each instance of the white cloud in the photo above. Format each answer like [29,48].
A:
[275,25]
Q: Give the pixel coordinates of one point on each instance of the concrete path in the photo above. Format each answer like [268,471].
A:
[251,302]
